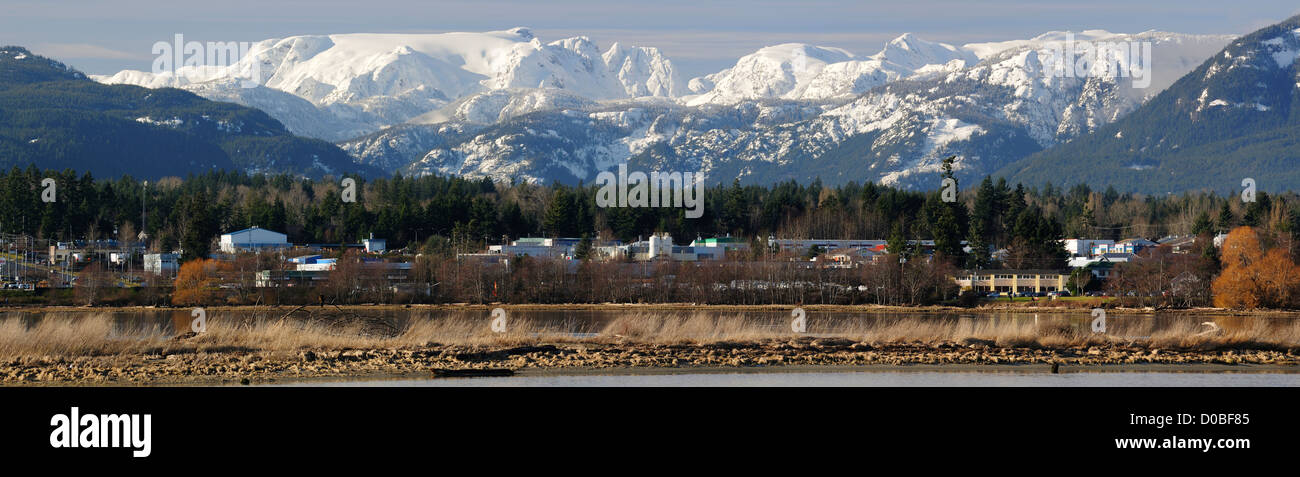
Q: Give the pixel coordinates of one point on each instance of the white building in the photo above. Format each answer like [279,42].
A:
[374,245]
[160,263]
[660,247]
[1084,247]
[252,240]
[538,247]
[119,258]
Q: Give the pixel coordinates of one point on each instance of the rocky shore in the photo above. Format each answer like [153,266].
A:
[239,366]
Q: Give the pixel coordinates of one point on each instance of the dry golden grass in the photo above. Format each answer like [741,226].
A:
[70,335]
[65,335]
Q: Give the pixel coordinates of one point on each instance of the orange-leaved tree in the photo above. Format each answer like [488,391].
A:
[197,282]
[1254,277]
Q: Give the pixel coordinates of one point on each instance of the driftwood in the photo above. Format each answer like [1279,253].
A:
[286,315]
[344,321]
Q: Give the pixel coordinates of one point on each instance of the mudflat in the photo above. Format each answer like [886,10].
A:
[94,347]
[236,365]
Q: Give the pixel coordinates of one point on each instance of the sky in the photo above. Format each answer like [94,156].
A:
[699,36]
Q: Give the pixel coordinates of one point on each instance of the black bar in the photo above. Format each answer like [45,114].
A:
[540,426]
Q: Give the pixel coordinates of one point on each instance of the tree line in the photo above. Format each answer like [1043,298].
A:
[445,215]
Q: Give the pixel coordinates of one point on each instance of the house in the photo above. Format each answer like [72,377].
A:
[1101,265]
[253,240]
[1178,243]
[1013,281]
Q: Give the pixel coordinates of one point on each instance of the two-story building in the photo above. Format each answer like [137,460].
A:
[1013,281]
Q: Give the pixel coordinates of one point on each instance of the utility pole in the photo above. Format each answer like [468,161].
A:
[144,216]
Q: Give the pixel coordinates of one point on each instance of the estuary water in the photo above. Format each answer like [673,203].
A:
[850,379]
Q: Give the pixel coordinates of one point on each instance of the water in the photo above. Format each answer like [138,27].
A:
[850,379]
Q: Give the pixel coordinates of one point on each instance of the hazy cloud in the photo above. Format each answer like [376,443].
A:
[709,35]
[83,51]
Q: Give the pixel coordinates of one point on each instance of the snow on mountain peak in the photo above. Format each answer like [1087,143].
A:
[801,71]
[524,33]
[796,110]
[913,53]
[385,79]
[778,71]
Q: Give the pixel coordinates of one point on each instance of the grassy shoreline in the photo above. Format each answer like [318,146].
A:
[1018,307]
[74,347]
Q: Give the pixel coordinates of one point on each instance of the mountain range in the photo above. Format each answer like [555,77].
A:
[802,112]
[1234,117]
[508,106]
[57,118]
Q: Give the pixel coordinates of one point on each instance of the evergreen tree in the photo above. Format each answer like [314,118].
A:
[813,252]
[584,248]
[983,223]
[1226,220]
[735,210]
[898,243]
[949,221]
[1256,211]
[1202,225]
[562,216]
[197,229]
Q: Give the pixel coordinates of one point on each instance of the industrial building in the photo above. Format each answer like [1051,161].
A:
[253,239]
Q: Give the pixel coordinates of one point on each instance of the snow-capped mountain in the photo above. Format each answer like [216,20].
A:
[508,106]
[799,71]
[1233,117]
[359,83]
[989,104]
